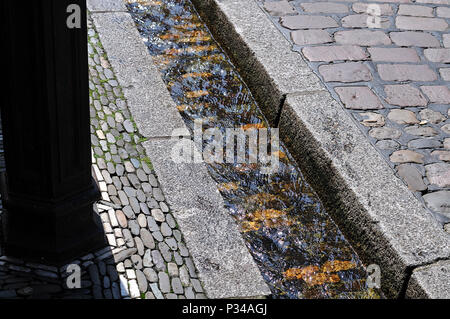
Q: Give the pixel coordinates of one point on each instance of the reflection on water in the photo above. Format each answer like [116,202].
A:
[300,251]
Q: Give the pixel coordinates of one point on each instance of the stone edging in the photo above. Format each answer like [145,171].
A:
[225,266]
[387,225]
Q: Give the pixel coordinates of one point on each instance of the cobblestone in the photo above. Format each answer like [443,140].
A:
[399,51]
[129,267]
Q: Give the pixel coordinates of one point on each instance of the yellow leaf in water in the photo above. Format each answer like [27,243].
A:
[321,278]
[300,273]
[187,26]
[195,94]
[251,126]
[280,154]
[195,39]
[250,226]
[197,74]
[337,265]
[228,187]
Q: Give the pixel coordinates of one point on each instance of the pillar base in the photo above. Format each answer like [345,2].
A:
[52,233]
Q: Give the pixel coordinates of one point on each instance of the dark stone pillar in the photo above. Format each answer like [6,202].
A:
[49,214]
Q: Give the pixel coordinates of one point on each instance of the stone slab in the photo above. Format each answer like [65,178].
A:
[106,6]
[224,263]
[258,48]
[153,109]
[431,281]
[376,211]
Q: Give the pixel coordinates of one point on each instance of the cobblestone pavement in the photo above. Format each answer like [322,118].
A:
[387,61]
[146,256]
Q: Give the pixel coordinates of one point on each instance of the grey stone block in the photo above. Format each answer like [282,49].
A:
[153,109]
[267,63]
[106,5]
[224,264]
[431,281]
[376,211]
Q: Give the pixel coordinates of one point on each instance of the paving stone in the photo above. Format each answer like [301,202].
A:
[141,281]
[362,37]
[158,215]
[172,269]
[406,72]
[134,227]
[358,97]
[421,131]
[438,174]
[128,211]
[303,37]
[124,254]
[134,289]
[172,243]
[190,293]
[142,220]
[419,23]
[442,155]
[147,260]
[152,224]
[404,95]
[147,238]
[443,12]
[406,156]
[437,55]
[446,128]
[431,116]
[164,282]
[447,143]
[424,143]
[384,9]
[157,293]
[412,177]
[151,275]
[191,268]
[437,93]
[365,21]
[393,55]
[94,274]
[166,230]
[158,260]
[197,285]
[411,38]
[177,287]
[402,117]
[345,72]
[438,201]
[308,22]
[280,8]
[324,7]
[122,219]
[387,145]
[415,10]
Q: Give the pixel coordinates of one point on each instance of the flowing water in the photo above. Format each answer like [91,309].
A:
[299,250]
